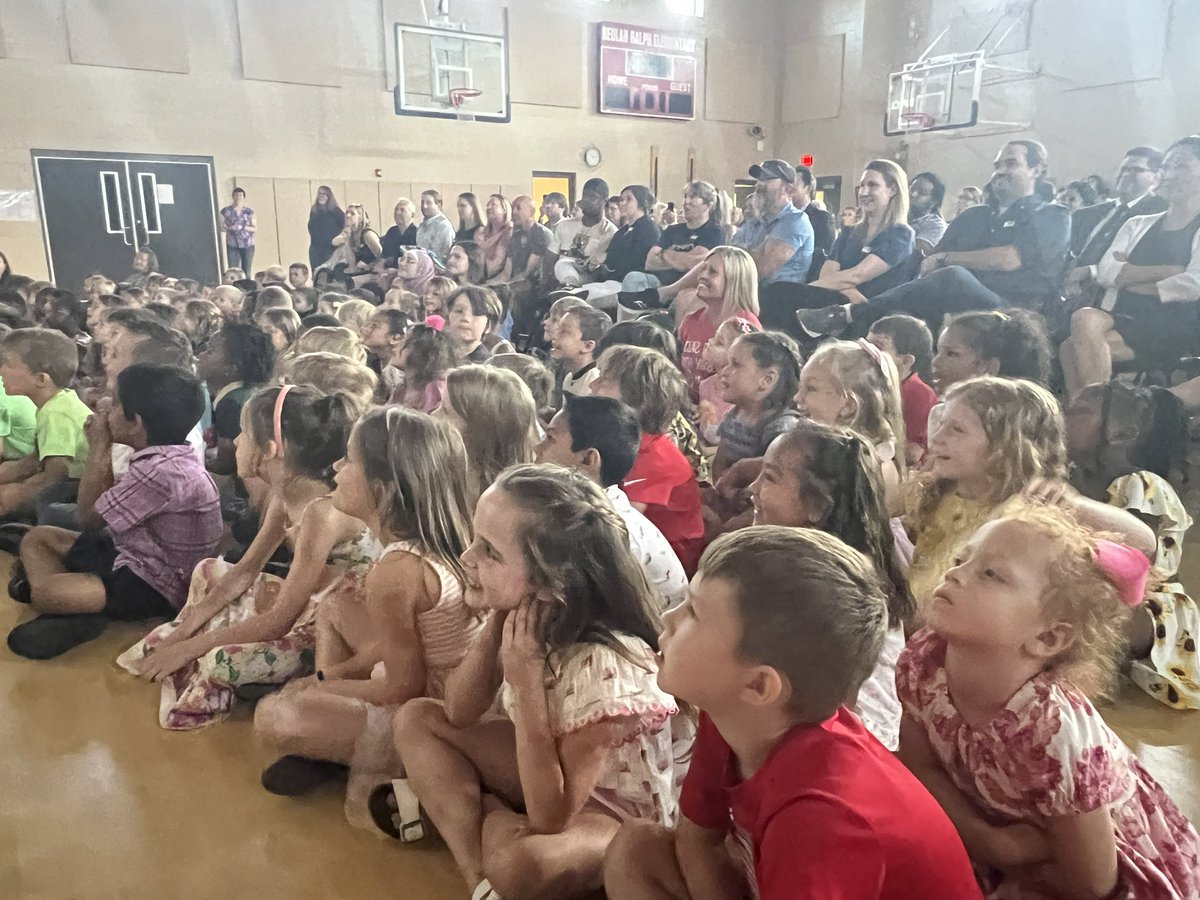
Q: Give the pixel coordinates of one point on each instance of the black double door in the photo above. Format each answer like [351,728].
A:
[98,208]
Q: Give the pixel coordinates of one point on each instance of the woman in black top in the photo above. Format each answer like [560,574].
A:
[1152,272]
[358,240]
[325,222]
[866,260]
[403,233]
[685,244]
[470,219]
[630,245]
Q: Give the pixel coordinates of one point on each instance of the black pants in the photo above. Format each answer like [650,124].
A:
[943,292]
[778,303]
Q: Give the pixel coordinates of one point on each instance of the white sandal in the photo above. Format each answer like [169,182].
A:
[406,822]
[485,891]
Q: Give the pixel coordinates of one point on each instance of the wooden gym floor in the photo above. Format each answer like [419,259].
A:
[99,803]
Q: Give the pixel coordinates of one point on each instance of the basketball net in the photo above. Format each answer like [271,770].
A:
[460,99]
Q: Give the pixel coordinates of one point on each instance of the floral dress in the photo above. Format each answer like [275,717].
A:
[1049,754]
[593,683]
[1171,673]
[201,693]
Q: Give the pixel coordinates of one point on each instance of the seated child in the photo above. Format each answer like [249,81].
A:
[405,475]
[527,802]
[162,518]
[1123,443]
[661,483]
[381,335]
[998,438]
[599,436]
[818,476]
[236,362]
[1011,343]
[574,345]
[241,626]
[18,425]
[330,373]
[1024,630]
[537,377]
[910,345]
[424,358]
[559,308]
[434,300]
[759,380]
[787,794]
[712,407]
[39,364]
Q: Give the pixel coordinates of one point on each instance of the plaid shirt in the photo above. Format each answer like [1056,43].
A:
[165,517]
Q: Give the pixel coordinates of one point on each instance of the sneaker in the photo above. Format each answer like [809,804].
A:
[50,635]
[294,776]
[11,535]
[820,322]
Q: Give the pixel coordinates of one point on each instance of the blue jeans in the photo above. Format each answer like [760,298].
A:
[241,258]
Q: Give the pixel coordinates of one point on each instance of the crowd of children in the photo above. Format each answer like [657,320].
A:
[706,617]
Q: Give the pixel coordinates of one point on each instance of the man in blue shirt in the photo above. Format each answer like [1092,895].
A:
[1009,252]
[785,252]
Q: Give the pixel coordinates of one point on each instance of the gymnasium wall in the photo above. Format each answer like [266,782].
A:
[1112,74]
[285,94]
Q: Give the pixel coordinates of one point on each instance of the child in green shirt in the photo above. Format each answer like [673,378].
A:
[39,364]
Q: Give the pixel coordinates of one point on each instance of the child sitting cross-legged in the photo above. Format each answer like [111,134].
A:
[661,483]
[162,518]
[1026,627]
[528,802]
[787,794]
[242,626]
[39,363]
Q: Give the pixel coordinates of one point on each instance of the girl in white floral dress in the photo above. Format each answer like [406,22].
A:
[529,801]
[999,726]
[241,626]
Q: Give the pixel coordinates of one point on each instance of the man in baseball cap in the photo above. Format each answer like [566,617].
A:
[774,168]
[782,245]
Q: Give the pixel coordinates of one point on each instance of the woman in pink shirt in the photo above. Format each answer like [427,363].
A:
[728,287]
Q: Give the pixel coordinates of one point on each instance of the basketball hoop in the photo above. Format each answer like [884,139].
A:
[461,96]
[916,121]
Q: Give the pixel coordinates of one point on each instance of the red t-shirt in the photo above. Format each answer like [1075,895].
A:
[916,400]
[663,480]
[695,331]
[831,814]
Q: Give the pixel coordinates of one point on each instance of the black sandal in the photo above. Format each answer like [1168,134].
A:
[295,776]
[18,585]
[406,825]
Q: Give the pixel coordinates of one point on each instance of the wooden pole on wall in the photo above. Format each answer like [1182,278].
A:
[654,170]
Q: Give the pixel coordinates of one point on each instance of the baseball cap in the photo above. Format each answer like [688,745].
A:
[774,168]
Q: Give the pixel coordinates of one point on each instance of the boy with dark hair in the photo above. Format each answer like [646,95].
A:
[600,437]
[786,791]
[908,341]
[161,519]
[39,363]
[574,344]
[297,275]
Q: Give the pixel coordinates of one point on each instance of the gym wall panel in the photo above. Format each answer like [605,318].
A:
[483,190]
[389,193]
[514,190]
[548,59]
[292,41]
[808,63]
[35,29]
[450,194]
[367,193]
[260,197]
[128,34]
[1127,41]
[734,78]
[293,200]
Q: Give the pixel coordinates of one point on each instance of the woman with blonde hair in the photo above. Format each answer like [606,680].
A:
[495,236]
[497,416]
[728,288]
[334,374]
[865,261]
[358,245]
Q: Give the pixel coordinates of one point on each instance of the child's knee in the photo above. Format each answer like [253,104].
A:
[277,720]
[637,849]
[417,718]
[512,868]
[1090,323]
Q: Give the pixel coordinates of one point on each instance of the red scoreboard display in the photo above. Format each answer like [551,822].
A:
[647,72]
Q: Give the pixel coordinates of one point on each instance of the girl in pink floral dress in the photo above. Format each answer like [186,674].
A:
[999,726]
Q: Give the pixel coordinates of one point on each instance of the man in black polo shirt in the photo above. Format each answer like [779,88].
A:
[529,243]
[1010,252]
[824,230]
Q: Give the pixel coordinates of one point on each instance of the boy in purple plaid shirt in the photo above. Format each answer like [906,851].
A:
[144,534]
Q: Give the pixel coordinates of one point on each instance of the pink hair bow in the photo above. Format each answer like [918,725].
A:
[436,322]
[874,352]
[1126,568]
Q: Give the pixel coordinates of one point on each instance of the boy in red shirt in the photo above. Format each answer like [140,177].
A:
[662,483]
[909,343]
[787,795]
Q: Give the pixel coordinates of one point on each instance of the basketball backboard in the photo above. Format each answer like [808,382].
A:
[450,74]
[935,94]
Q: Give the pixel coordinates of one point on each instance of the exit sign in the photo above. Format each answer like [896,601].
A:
[807,161]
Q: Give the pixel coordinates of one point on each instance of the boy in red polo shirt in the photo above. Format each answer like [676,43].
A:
[662,483]
[787,793]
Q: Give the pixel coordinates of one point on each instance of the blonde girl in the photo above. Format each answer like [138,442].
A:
[405,475]
[240,627]
[334,374]
[725,286]
[497,417]
[528,802]
[856,385]
[281,326]
[998,438]
[439,289]
[324,338]
[1025,630]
